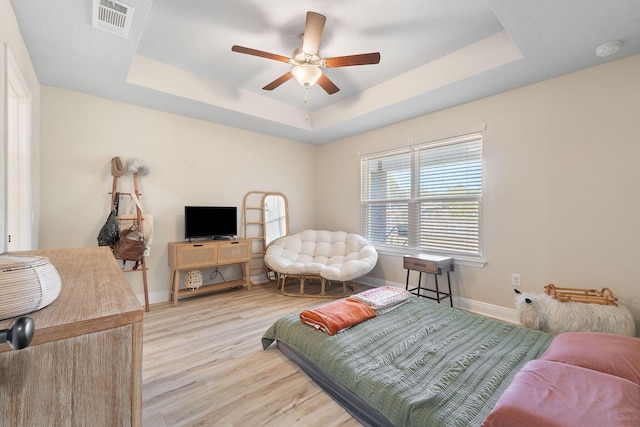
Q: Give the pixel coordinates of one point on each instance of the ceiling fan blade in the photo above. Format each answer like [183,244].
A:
[327,84]
[313,33]
[347,61]
[254,52]
[277,82]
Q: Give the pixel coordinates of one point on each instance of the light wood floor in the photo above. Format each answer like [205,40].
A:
[203,365]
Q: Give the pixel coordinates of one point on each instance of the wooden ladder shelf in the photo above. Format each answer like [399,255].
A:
[140,221]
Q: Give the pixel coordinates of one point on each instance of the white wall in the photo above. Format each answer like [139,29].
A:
[11,43]
[191,162]
[561,201]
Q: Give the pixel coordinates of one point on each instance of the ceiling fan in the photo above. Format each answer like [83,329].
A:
[306,61]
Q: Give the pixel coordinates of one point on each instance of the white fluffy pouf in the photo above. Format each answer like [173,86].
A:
[542,312]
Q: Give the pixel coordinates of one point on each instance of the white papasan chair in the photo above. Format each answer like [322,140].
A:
[323,255]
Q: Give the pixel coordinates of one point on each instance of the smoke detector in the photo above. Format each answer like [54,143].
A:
[112,16]
[608,49]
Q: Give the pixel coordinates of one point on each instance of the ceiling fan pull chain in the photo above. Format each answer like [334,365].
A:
[306,104]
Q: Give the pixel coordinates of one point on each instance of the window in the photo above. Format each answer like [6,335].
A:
[425,198]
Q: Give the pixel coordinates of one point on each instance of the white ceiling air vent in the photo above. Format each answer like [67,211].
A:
[112,16]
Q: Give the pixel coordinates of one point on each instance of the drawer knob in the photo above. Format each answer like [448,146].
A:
[20,334]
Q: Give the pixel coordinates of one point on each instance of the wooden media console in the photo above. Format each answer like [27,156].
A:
[185,256]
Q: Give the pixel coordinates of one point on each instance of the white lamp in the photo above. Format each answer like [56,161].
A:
[306,74]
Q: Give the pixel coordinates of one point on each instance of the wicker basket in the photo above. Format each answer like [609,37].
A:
[27,284]
[193,279]
[592,296]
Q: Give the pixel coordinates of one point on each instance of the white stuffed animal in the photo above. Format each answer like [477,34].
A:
[540,311]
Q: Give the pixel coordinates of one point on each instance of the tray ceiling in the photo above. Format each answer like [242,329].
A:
[434,54]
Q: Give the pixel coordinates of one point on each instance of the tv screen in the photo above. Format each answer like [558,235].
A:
[212,222]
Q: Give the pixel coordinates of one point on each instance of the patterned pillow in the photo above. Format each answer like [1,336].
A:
[382,297]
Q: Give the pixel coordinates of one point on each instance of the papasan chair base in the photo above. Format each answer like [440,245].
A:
[321,289]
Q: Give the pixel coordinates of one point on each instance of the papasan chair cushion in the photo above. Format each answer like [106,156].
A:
[331,255]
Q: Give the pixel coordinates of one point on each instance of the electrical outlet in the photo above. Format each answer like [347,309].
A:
[515,279]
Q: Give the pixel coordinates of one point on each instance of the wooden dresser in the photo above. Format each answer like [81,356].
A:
[84,365]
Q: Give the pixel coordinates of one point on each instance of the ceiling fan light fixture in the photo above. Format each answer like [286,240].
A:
[306,74]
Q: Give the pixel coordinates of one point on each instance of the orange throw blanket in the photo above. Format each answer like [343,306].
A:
[336,316]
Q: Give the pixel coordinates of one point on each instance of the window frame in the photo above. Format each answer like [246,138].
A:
[394,200]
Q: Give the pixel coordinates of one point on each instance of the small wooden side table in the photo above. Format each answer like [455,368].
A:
[430,264]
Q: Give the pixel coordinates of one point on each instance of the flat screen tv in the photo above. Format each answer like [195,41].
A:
[210,222]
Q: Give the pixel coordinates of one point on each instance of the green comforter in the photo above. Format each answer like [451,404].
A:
[421,364]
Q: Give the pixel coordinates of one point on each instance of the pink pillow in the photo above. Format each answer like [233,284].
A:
[551,394]
[617,355]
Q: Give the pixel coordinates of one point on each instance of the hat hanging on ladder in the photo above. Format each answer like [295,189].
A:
[116,167]
[135,166]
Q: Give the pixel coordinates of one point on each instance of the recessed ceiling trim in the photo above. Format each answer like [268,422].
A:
[161,77]
[487,54]
[112,16]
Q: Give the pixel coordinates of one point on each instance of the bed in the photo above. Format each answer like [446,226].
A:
[421,363]
[426,364]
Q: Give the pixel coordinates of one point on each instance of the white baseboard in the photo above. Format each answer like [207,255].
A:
[477,307]
[489,310]
[163,296]
[155,297]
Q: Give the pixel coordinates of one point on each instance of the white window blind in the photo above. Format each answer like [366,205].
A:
[425,198]
[386,194]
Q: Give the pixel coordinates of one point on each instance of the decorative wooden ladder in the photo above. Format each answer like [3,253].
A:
[140,223]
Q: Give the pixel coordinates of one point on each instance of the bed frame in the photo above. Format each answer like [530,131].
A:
[352,403]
